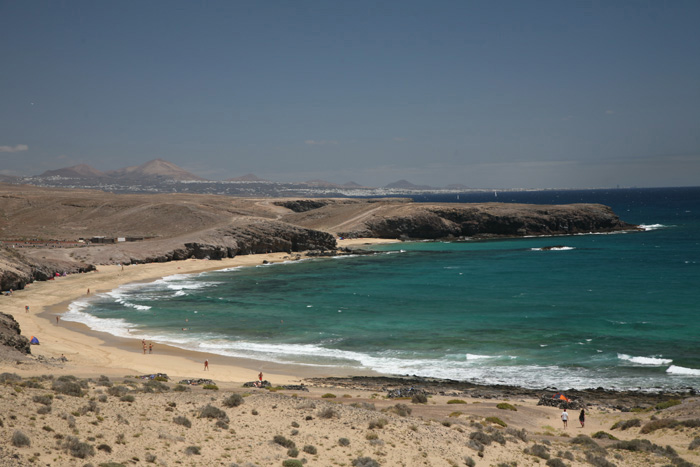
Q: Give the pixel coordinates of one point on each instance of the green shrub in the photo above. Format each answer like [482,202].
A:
[127,398]
[506,406]
[211,387]
[346,442]
[456,401]
[292,463]
[234,400]
[293,452]
[496,421]
[328,395]
[181,388]
[667,404]
[602,435]
[20,440]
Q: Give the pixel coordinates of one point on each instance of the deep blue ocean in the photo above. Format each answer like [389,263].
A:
[620,311]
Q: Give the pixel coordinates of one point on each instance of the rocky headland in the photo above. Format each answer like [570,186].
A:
[45,231]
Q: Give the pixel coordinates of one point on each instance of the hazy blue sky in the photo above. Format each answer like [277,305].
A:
[484,93]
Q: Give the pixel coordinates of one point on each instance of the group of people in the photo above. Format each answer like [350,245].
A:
[150,346]
[581,418]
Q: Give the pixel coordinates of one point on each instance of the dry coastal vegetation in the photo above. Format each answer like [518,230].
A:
[91,407]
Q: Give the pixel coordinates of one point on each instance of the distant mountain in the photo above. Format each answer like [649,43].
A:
[76,171]
[352,185]
[406,185]
[157,168]
[247,178]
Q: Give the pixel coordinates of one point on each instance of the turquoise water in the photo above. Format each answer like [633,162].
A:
[617,311]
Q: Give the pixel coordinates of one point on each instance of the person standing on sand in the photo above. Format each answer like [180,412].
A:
[150,347]
[26,308]
[206,365]
[260,377]
[144,348]
[565,418]
[582,417]
[57,319]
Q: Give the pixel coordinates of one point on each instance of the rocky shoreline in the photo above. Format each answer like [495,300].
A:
[623,401]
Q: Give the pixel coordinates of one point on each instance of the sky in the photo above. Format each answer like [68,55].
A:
[487,94]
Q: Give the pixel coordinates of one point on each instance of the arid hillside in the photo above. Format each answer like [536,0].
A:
[49,230]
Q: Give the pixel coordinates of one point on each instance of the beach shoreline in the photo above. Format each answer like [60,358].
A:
[74,348]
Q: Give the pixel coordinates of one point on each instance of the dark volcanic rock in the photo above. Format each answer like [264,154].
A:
[16,271]
[491,220]
[10,334]
[302,205]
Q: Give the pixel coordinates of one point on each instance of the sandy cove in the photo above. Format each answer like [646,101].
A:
[142,428]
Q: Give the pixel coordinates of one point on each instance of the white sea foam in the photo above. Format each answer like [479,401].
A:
[114,326]
[471,356]
[648,227]
[644,360]
[554,248]
[679,370]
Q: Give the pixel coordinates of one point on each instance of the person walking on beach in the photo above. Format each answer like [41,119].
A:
[582,417]
[565,418]
[26,308]
[206,365]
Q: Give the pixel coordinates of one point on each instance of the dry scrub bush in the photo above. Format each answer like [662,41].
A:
[20,440]
[328,412]
[77,448]
[182,420]
[209,411]
[365,462]
[234,400]
[625,424]
[419,399]
[400,409]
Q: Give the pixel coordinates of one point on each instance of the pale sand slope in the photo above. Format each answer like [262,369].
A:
[436,434]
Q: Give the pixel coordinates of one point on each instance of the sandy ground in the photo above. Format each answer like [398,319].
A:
[117,417]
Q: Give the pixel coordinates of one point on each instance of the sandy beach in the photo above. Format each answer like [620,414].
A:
[329,424]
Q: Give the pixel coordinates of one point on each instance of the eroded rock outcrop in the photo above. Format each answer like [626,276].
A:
[489,220]
[10,335]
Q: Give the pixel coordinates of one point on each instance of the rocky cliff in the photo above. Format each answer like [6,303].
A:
[488,220]
[10,335]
